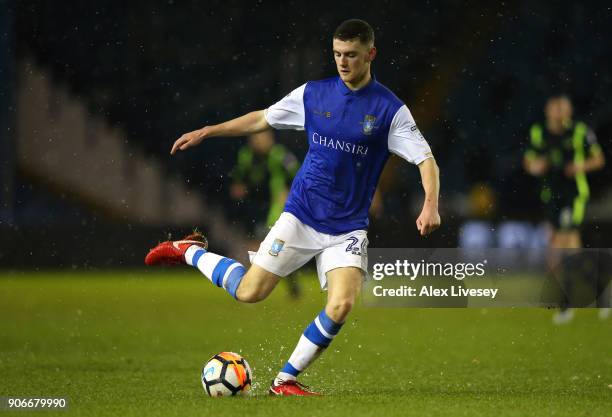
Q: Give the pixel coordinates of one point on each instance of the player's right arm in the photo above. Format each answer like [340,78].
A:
[253,122]
[288,113]
[534,160]
[535,165]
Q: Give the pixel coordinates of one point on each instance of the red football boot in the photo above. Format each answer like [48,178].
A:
[173,252]
[291,388]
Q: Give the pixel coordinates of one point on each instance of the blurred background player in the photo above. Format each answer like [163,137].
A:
[561,153]
[260,184]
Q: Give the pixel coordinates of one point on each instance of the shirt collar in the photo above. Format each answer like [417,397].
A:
[363,90]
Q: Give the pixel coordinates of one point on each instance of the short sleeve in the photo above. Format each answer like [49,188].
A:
[405,139]
[591,137]
[591,142]
[288,113]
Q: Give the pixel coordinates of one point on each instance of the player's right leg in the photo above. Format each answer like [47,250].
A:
[286,248]
[256,285]
[246,286]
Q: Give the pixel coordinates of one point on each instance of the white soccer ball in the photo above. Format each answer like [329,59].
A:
[226,374]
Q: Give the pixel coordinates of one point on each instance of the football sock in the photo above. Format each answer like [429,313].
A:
[317,336]
[223,272]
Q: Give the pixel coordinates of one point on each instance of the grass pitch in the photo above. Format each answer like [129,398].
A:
[133,344]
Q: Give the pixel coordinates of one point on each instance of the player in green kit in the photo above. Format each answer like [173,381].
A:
[561,153]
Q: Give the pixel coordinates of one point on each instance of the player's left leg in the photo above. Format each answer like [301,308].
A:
[341,266]
[344,285]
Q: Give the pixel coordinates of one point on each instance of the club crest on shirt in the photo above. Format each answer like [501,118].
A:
[277,246]
[368,124]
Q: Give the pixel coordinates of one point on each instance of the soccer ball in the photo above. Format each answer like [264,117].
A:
[226,374]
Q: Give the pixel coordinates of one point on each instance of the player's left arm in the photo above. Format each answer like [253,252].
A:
[429,219]
[594,161]
[406,141]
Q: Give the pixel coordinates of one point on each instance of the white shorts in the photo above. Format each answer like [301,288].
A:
[290,244]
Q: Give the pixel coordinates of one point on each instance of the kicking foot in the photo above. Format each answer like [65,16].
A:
[173,252]
[291,388]
[604,313]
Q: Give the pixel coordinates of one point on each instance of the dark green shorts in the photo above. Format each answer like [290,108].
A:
[567,214]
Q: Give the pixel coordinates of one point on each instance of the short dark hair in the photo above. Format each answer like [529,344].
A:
[355,28]
[556,95]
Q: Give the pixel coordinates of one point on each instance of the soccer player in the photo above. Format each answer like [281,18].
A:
[561,153]
[263,172]
[352,123]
